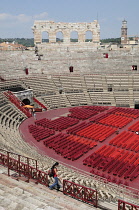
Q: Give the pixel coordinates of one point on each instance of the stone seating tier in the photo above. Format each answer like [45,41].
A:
[14,63]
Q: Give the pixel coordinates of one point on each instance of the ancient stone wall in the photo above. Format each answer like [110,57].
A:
[66,29]
[26,94]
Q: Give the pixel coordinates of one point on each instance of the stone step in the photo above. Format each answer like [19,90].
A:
[20,195]
[7,204]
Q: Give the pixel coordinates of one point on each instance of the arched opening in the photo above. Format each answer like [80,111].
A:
[59,36]
[26,101]
[136,106]
[88,36]
[45,36]
[74,36]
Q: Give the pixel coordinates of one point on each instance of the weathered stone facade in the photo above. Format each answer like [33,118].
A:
[25,95]
[66,29]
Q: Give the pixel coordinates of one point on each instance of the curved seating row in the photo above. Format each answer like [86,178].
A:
[83,140]
[40,133]
[96,132]
[10,116]
[98,118]
[81,113]
[115,120]
[57,124]
[69,146]
[134,127]
[78,127]
[128,112]
[42,122]
[118,162]
[126,140]
[96,108]
[109,178]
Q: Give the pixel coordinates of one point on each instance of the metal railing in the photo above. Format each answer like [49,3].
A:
[79,192]
[28,168]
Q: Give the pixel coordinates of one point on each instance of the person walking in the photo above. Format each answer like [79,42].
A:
[55,176]
[34,114]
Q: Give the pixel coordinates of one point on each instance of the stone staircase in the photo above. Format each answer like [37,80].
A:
[20,195]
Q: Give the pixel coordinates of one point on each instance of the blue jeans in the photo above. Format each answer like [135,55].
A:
[55,184]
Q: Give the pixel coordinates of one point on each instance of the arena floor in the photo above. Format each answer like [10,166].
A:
[78,163]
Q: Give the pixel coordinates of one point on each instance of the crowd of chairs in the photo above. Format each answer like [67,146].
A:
[69,146]
[96,132]
[78,127]
[133,113]
[115,120]
[114,161]
[58,124]
[118,159]
[134,127]
[81,113]
[126,140]
[40,133]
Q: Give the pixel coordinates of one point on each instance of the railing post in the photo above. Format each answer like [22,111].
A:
[96,199]
[36,165]
[8,163]
[19,165]
[28,168]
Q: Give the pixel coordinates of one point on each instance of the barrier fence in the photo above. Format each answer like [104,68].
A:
[69,188]
[24,169]
[72,189]
[80,192]
[125,205]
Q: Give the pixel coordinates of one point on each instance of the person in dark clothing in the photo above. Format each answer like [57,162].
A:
[55,176]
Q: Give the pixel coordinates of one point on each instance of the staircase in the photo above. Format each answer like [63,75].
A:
[20,195]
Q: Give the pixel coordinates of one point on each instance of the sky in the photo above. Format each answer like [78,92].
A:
[18,16]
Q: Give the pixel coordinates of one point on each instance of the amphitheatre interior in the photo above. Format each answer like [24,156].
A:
[90,117]
[99,140]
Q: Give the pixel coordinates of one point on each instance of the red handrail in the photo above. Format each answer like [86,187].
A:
[38,102]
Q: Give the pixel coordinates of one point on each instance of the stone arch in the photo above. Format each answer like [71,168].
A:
[88,36]
[45,37]
[26,101]
[59,36]
[78,29]
[74,36]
